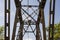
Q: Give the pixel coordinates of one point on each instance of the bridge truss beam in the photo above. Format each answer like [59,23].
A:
[7,19]
[51,19]
[18,18]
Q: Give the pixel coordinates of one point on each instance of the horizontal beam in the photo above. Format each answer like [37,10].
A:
[31,23]
[30,6]
[29,31]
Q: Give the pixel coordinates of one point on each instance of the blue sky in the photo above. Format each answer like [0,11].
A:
[46,10]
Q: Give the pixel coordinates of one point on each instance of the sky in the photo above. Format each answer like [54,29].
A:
[13,9]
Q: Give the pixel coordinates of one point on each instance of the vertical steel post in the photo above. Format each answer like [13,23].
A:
[37,32]
[21,31]
[51,19]
[7,19]
[18,18]
[21,24]
[41,18]
[43,24]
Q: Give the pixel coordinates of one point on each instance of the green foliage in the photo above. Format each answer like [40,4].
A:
[56,31]
[1,33]
[1,30]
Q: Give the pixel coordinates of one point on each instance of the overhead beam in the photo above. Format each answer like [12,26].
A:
[30,6]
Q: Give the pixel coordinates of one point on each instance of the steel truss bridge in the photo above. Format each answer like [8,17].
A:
[26,20]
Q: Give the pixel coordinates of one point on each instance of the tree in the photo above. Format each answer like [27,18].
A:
[56,31]
[1,33]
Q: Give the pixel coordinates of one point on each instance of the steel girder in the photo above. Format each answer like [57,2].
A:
[7,19]
[41,18]
[18,17]
[51,19]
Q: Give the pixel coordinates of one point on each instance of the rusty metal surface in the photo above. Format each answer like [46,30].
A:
[40,17]
[19,18]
